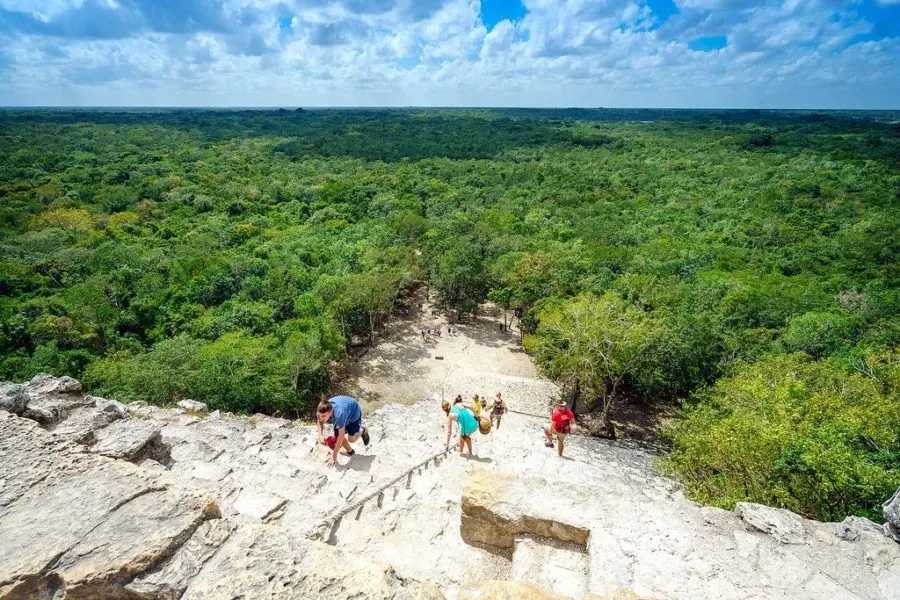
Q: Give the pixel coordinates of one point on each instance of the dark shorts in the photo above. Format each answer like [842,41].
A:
[352,428]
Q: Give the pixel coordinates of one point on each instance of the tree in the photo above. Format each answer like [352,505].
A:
[792,432]
[460,276]
[594,343]
[818,333]
[73,221]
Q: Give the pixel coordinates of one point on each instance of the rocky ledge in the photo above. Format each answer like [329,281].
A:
[102,500]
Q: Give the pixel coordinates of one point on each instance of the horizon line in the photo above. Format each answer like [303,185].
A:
[414,106]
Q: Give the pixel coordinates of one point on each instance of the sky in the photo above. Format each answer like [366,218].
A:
[565,53]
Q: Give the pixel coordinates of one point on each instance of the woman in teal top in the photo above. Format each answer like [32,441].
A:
[466,421]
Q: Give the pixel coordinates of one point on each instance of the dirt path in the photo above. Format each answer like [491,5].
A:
[478,358]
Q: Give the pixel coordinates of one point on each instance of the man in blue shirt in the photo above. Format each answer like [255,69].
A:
[345,415]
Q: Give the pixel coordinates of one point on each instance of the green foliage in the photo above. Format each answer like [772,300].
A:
[234,256]
[792,432]
[458,273]
[235,372]
[818,334]
[595,342]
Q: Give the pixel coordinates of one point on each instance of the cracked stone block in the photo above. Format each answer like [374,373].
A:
[497,507]
[131,439]
[82,424]
[81,524]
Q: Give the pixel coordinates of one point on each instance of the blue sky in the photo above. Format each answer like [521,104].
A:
[670,53]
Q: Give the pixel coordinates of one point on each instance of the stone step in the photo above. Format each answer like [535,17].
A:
[561,568]
[267,561]
[132,440]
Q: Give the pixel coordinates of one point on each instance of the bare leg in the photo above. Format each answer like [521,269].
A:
[469,445]
[561,445]
[461,442]
[346,445]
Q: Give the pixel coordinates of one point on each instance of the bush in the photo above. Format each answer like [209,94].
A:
[818,333]
[792,432]
[235,372]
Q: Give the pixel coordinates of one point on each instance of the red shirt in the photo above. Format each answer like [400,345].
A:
[560,417]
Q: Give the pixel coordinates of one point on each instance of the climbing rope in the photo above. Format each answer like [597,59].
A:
[322,531]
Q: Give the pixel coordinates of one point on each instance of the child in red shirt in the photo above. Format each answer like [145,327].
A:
[560,425]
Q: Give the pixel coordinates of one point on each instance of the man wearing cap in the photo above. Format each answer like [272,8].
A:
[560,425]
[344,414]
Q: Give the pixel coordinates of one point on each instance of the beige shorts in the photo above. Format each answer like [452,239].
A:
[559,436]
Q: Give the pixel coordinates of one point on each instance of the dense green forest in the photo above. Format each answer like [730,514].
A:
[741,264]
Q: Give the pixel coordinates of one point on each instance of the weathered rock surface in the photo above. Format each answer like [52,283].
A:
[507,590]
[80,523]
[551,565]
[88,509]
[82,423]
[51,399]
[851,528]
[43,386]
[131,439]
[192,405]
[13,398]
[170,582]
[891,513]
[783,525]
[259,561]
[674,551]
[516,590]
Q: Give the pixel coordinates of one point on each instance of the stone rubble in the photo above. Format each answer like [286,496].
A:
[154,503]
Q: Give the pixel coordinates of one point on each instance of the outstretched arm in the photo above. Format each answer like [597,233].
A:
[342,433]
[450,419]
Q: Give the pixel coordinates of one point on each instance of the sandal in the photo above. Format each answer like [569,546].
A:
[549,444]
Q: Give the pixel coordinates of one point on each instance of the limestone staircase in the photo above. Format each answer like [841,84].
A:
[99,500]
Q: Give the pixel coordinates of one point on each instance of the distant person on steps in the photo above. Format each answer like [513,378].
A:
[476,406]
[560,425]
[466,421]
[344,414]
[497,410]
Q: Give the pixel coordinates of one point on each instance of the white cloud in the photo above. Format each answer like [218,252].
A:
[401,52]
[45,11]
